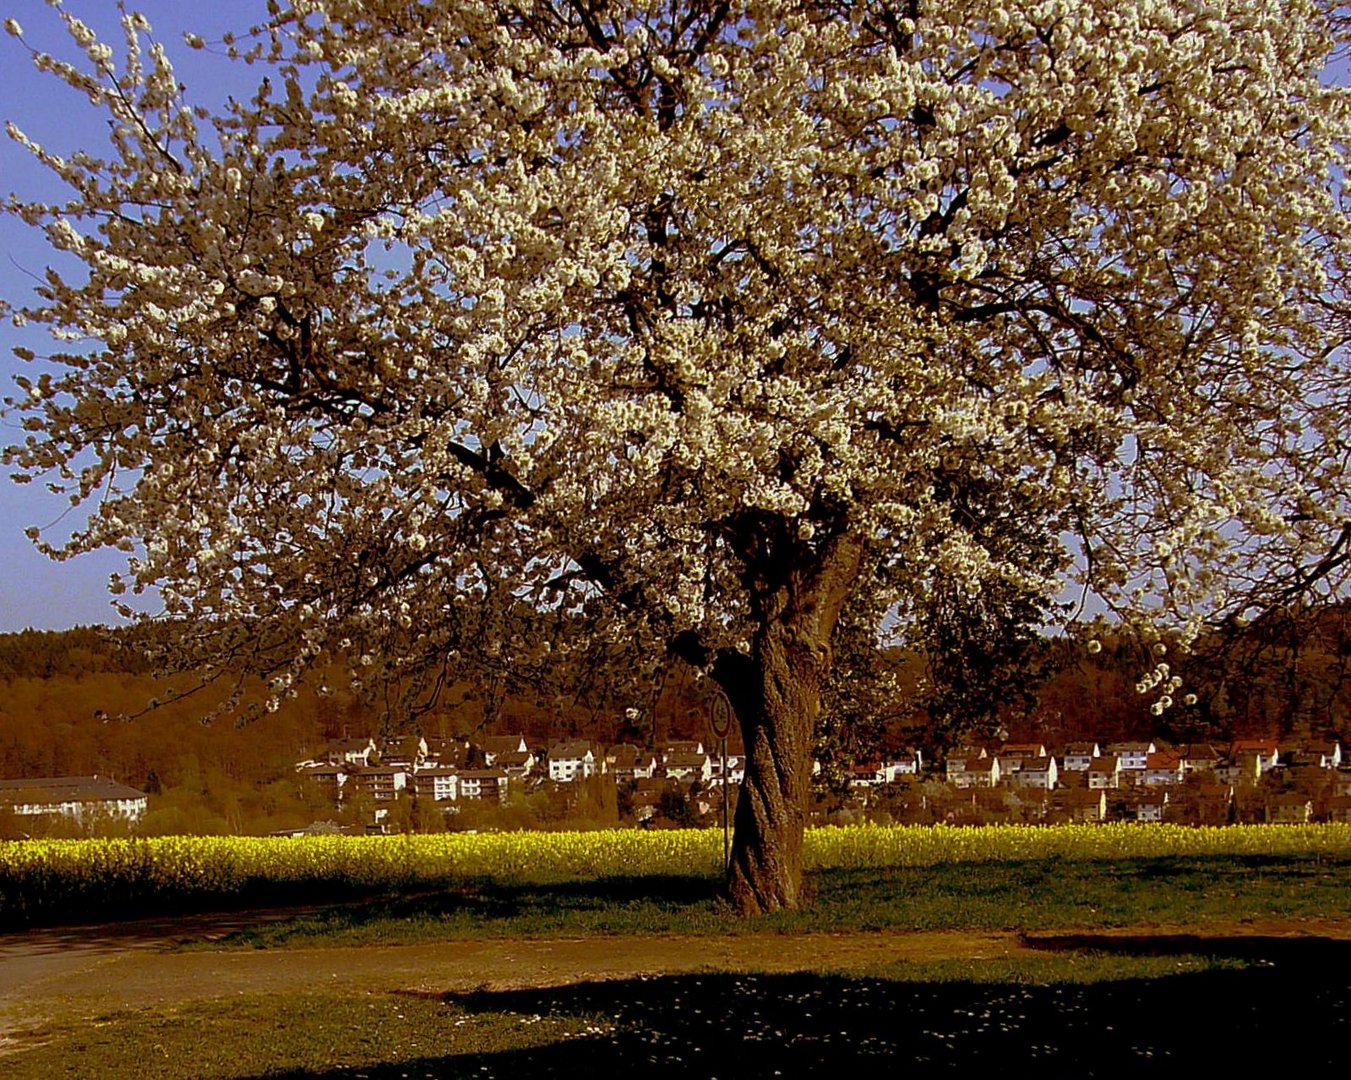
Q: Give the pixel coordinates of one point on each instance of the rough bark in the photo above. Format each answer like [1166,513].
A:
[776,724]
[776,693]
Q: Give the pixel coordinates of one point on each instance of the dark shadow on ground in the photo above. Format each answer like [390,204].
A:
[145,913]
[496,900]
[491,908]
[1290,1010]
[479,901]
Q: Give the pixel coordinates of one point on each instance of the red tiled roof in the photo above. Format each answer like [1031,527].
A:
[1254,746]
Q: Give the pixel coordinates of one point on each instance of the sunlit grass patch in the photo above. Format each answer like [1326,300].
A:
[276,1034]
[1077,967]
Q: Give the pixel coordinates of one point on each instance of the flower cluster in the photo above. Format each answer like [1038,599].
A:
[469,330]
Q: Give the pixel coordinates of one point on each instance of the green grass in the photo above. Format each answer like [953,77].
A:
[1066,1013]
[1052,894]
[1071,967]
[262,1035]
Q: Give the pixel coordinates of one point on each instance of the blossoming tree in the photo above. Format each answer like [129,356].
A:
[708,328]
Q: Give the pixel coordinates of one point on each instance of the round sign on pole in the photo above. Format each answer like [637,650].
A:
[720,715]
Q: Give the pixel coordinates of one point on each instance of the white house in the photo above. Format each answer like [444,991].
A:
[955,763]
[629,762]
[1148,807]
[440,784]
[906,764]
[1198,757]
[76,797]
[1038,773]
[494,746]
[352,751]
[688,767]
[1080,755]
[682,746]
[1022,750]
[736,769]
[1132,755]
[1104,773]
[975,772]
[490,784]
[570,761]
[1162,768]
[381,782]
[1266,752]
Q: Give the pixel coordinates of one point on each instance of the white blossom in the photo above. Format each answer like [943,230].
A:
[477,319]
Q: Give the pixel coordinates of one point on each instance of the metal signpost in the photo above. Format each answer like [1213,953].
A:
[720,721]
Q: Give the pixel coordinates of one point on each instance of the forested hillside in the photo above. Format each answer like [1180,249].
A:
[1287,675]
[85,701]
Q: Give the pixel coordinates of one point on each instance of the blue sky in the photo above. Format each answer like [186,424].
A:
[35,591]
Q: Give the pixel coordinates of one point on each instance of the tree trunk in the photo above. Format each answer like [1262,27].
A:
[776,693]
[778,713]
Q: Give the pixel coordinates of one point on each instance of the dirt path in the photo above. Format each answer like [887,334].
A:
[66,975]
[49,975]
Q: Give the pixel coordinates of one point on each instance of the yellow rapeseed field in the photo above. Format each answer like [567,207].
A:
[43,874]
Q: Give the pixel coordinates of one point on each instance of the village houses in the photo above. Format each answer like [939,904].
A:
[1086,780]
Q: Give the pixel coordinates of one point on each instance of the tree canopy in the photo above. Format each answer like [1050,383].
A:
[490,331]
